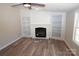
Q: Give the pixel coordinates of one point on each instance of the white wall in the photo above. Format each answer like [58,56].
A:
[69,32]
[38,18]
[10,27]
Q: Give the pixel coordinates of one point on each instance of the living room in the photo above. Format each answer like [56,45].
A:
[48,29]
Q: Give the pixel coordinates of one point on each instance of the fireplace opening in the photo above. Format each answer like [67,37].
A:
[40,32]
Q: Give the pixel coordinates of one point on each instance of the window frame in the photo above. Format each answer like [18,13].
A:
[75,27]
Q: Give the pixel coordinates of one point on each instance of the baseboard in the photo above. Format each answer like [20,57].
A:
[10,43]
[70,48]
[56,38]
[23,37]
[26,36]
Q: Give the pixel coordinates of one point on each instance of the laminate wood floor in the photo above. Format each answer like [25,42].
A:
[37,47]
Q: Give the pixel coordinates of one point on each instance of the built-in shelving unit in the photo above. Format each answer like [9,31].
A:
[58,25]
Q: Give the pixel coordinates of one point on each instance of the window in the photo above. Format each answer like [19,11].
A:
[76,28]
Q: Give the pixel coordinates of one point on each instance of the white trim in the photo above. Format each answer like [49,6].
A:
[63,26]
[57,38]
[39,38]
[10,43]
[70,48]
[74,29]
[21,23]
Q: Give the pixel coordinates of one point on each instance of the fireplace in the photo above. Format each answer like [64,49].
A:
[40,32]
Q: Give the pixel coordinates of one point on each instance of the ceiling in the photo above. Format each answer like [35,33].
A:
[56,6]
[61,6]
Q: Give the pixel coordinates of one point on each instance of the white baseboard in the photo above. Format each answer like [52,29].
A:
[70,48]
[10,43]
[56,38]
[26,36]
[39,38]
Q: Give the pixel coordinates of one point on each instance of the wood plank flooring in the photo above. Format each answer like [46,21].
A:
[37,47]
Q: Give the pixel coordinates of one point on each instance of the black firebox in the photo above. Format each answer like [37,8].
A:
[40,32]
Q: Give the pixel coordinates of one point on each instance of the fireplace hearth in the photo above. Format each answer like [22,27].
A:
[40,32]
